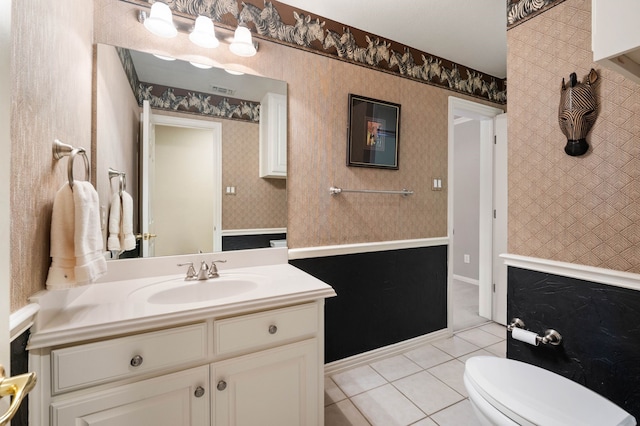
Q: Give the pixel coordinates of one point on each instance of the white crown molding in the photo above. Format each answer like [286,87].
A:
[21,320]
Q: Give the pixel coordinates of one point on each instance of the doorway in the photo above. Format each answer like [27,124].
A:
[471,222]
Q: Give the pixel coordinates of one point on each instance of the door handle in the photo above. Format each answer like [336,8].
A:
[17,387]
[146,236]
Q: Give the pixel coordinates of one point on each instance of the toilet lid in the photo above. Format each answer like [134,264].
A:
[532,395]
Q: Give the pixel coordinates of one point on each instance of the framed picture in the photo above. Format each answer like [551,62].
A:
[374,133]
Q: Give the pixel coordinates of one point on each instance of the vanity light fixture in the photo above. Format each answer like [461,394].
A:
[242,43]
[160,21]
[203,34]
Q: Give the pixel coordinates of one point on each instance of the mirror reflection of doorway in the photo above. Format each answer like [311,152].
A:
[181,192]
[183,205]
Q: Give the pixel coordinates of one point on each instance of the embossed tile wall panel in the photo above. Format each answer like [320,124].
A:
[583,210]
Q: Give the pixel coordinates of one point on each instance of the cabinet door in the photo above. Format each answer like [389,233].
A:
[277,387]
[174,399]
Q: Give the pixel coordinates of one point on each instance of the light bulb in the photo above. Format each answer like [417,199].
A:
[242,44]
[160,21]
[203,34]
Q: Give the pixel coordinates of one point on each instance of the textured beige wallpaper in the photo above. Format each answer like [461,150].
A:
[258,203]
[583,210]
[51,98]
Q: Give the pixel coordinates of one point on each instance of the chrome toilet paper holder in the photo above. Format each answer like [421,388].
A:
[550,337]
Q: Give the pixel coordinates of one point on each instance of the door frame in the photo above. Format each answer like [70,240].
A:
[216,129]
[485,114]
[5,186]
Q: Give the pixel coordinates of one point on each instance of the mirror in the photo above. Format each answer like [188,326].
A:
[251,210]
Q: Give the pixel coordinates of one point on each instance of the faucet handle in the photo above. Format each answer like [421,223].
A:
[191,272]
[213,270]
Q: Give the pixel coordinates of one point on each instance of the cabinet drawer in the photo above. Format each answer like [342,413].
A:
[94,363]
[265,328]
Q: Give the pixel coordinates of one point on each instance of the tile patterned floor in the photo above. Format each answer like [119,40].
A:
[420,387]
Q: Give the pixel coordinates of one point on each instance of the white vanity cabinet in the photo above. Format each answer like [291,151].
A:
[273,136]
[263,367]
[173,399]
[615,36]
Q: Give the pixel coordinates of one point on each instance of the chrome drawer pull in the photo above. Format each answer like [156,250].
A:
[273,329]
[199,392]
[222,385]
[136,361]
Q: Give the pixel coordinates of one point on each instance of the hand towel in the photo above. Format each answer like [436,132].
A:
[115,215]
[121,223]
[63,259]
[90,262]
[128,239]
[76,237]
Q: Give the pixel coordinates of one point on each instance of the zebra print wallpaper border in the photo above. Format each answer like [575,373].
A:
[519,11]
[178,99]
[280,23]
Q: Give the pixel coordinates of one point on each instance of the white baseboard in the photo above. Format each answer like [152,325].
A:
[466,280]
[384,352]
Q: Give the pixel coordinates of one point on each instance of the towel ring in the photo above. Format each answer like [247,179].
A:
[72,157]
[61,149]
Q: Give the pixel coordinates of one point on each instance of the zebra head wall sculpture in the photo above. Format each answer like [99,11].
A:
[577,112]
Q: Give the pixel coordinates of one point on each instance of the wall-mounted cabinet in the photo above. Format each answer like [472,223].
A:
[273,136]
[615,36]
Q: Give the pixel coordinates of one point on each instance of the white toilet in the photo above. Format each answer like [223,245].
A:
[508,392]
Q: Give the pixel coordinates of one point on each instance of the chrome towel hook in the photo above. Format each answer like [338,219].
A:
[61,149]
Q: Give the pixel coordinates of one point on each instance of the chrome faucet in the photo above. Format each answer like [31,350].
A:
[191,272]
[213,271]
[204,273]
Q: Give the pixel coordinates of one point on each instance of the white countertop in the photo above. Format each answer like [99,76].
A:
[115,307]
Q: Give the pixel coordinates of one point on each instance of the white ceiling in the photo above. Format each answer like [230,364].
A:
[472,33]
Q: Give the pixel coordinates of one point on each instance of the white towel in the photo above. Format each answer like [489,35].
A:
[121,223]
[76,237]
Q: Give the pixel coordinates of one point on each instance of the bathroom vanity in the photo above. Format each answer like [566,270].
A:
[242,349]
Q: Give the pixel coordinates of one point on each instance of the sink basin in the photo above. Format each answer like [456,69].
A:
[201,291]
[179,291]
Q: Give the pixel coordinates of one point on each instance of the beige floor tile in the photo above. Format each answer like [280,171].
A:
[386,406]
[332,392]
[451,373]
[495,329]
[428,356]
[455,346]
[344,413]
[427,392]
[425,422]
[481,352]
[457,415]
[396,367]
[358,380]
[479,337]
[499,349]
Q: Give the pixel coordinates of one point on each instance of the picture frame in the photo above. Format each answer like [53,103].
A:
[373,133]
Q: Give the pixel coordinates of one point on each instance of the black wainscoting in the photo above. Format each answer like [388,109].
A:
[600,327]
[20,365]
[383,297]
[244,242]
